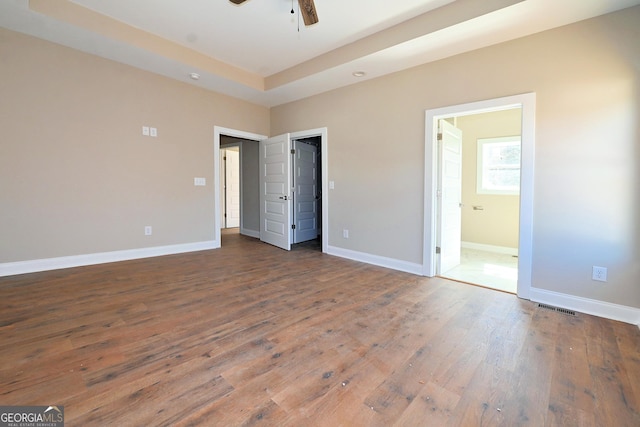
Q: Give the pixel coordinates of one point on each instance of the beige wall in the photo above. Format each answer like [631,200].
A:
[497,223]
[76,174]
[586,205]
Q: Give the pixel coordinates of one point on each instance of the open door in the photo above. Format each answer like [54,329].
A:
[305,196]
[275,186]
[232,188]
[450,192]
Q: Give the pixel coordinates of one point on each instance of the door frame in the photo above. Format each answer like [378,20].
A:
[525,101]
[217,132]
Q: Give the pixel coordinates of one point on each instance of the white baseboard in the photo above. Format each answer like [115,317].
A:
[607,310]
[490,248]
[407,267]
[32,266]
[250,233]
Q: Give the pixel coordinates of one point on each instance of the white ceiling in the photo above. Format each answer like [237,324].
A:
[261,37]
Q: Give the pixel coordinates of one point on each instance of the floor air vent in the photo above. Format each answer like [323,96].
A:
[559,310]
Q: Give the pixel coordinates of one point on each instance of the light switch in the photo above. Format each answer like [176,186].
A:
[145,130]
[332,185]
[153,132]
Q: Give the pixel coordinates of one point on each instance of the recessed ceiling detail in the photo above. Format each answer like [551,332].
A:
[248,51]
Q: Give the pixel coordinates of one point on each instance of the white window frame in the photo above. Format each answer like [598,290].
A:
[480,185]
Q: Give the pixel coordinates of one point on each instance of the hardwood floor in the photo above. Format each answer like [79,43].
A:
[252,335]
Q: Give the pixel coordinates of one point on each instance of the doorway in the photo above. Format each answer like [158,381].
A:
[247,144]
[293,171]
[306,175]
[250,206]
[433,212]
[480,192]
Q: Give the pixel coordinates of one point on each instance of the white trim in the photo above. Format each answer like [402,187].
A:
[525,246]
[32,266]
[490,248]
[250,233]
[394,264]
[607,310]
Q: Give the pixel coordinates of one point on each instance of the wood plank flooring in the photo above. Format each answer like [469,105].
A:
[252,335]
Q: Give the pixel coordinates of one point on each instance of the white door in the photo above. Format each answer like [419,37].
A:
[305,185]
[232,188]
[450,192]
[223,199]
[275,183]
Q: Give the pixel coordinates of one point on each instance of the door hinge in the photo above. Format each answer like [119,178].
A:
[437,249]
[440,137]
[293,226]
[293,151]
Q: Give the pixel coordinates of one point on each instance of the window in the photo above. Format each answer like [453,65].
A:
[499,166]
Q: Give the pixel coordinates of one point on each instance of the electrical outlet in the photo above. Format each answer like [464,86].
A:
[148,231]
[599,273]
[153,132]
[345,233]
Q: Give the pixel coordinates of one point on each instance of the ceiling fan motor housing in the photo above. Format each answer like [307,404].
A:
[307,9]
